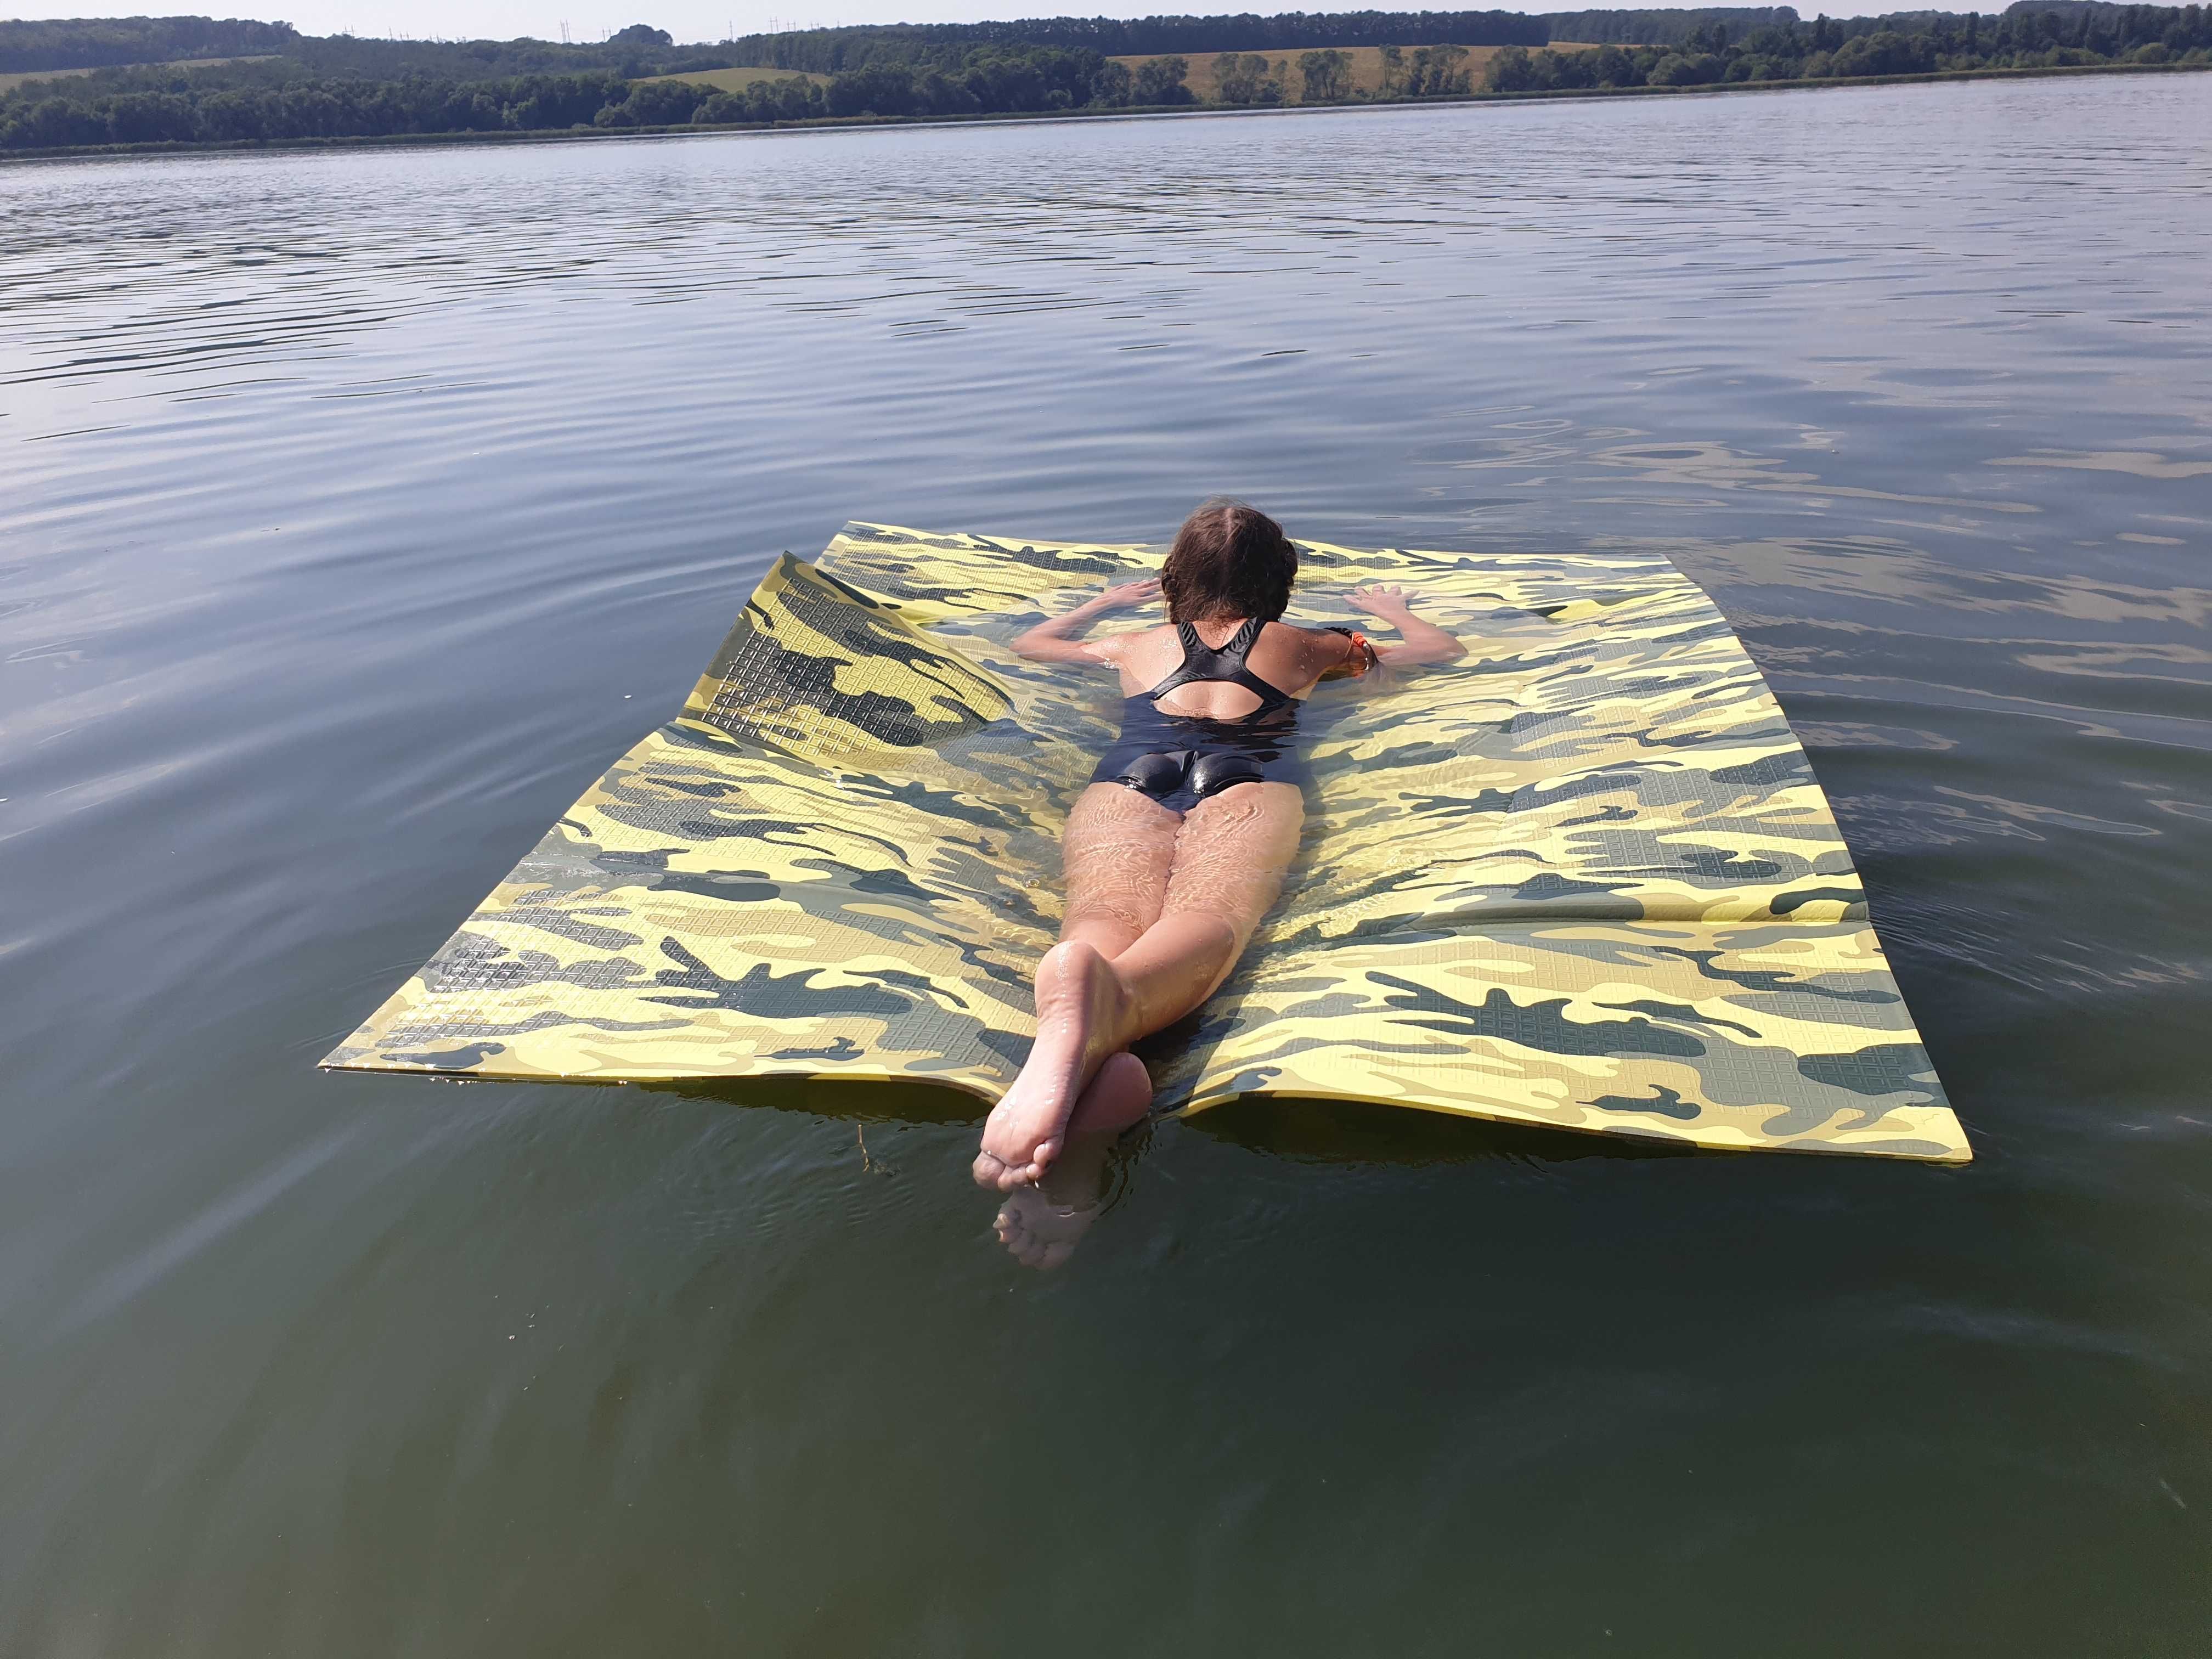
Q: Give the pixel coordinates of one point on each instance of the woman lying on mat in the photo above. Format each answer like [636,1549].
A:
[1178,846]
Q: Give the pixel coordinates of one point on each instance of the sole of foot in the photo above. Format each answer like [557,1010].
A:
[1078,1001]
[1040,1226]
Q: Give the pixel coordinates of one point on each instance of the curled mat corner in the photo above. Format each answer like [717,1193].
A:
[1583,877]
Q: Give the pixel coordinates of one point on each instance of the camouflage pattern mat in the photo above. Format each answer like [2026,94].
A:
[1582,876]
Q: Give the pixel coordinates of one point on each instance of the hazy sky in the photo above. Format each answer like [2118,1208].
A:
[704,20]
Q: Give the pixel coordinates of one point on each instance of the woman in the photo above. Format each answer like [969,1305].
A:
[1178,846]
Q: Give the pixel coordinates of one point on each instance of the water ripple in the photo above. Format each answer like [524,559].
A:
[362,505]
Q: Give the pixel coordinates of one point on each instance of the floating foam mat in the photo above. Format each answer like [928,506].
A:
[1582,878]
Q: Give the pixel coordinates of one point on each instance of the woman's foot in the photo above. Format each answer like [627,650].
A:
[1041,1225]
[1079,1004]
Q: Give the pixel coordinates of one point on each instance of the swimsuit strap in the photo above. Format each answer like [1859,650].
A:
[1203,664]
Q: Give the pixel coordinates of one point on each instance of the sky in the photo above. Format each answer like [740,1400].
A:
[715,20]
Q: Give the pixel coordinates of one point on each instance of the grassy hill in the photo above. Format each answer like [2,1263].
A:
[736,80]
[9,82]
[1366,68]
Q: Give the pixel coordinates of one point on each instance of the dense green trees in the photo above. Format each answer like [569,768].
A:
[993,79]
[1649,28]
[1324,78]
[196,112]
[98,43]
[1161,82]
[291,95]
[144,106]
[2028,36]
[1426,72]
[791,99]
[1246,78]
[91,42]
[636,51]
[831,51]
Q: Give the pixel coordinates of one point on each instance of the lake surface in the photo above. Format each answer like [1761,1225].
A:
[358,507]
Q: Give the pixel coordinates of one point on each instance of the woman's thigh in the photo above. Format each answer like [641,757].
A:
[1115,854]
[1232,853]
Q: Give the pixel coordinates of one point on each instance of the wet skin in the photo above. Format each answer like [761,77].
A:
[1160,903]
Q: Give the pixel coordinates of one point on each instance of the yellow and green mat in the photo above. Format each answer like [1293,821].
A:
[1582,878]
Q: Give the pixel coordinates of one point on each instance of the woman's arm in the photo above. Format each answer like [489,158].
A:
[1424,640]
[1344,653]
[1054,639]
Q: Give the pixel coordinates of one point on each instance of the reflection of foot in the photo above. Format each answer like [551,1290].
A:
[1040,1233]
[1078,1005]
[1041,1225]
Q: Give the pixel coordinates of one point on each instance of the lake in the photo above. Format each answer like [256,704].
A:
[361,505]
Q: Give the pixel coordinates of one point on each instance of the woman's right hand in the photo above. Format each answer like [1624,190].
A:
[1382,599]
[1424,640]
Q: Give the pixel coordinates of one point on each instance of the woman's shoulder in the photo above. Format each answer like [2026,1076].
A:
[1115,646]
[1331,652]
[1324,637]
[1152,636]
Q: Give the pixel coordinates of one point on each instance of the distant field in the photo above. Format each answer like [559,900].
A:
[9,82]
[736,80]
[1366,66]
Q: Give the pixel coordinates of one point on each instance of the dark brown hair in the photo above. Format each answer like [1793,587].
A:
[1229,559]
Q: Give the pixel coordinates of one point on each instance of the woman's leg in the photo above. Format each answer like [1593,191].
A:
[1226,868]
[1229,864]
[1115,857]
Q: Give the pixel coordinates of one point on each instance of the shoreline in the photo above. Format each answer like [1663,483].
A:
[1054,117]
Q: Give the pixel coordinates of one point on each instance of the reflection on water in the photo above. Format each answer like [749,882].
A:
[361,505]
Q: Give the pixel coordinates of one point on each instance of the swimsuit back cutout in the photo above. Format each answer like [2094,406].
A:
[1205,663]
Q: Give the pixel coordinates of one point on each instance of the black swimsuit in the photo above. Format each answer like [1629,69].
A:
[1181,759]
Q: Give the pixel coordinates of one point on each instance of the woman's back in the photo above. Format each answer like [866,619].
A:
[1287,660]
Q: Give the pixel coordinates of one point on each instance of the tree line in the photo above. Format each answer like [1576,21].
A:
[186,112]
[641,50]
[1674,27]
[1663,28]
[1324,76]
[101,42]
[28,46]
[268,101]
[833,51]
[1905,43]
[280,97]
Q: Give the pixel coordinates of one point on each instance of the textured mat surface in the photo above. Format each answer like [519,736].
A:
[1582,878]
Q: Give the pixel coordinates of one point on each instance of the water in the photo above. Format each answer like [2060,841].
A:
[358,507]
